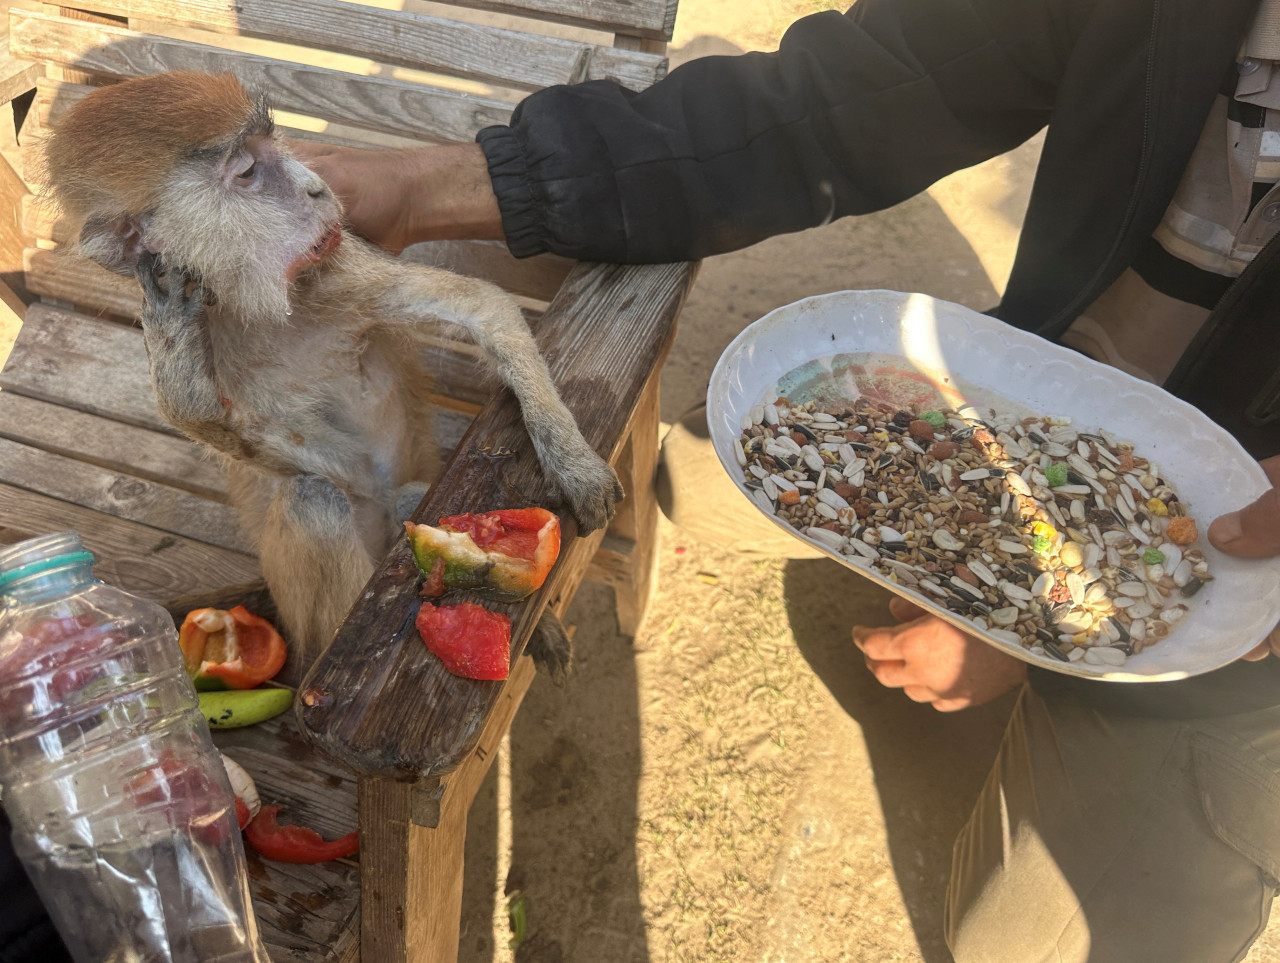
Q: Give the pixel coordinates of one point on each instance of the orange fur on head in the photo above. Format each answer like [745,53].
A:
[112,151]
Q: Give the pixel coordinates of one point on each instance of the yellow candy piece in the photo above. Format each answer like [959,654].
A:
[880,435]
[1157,507]
[1045,529]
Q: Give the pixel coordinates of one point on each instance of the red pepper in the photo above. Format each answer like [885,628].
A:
[230,650]
[506,553]
[471,641]
[295,844]
[242,813]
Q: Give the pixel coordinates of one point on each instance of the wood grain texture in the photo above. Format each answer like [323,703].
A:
[109,444]
[513,58]
[312,912]
[125,496]
[81,282]
[376,699]
[645,18]
[369,103]
[137,558]
[637,518]
[536,277]
[62,357]
[405,865]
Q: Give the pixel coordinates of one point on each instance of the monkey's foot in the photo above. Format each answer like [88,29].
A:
[550,648]
[590,487]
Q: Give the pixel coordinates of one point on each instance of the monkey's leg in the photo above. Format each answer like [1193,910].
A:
[550,647]
[496,325]
[180,355]
[313,559]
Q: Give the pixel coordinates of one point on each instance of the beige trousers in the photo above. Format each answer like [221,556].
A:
[1098,838]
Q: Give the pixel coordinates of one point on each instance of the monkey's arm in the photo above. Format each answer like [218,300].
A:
[425,296]
[180,356]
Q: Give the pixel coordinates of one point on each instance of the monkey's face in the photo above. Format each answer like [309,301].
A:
[246,220]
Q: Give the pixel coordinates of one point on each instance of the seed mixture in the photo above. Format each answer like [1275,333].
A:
[1065,542]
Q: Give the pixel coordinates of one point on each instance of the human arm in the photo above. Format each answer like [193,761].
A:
[399,197]
[853,113]
[934,662]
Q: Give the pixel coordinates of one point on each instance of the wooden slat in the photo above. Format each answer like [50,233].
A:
[536,277]
[511,58]
[369,103]
[110,444]
[471,51]
[61,357]
[125,496]
[17,76]
[81,282]
[304,912]
[137,558]
[655,19]
[376,699]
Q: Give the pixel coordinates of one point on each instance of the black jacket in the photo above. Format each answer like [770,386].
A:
[857,112]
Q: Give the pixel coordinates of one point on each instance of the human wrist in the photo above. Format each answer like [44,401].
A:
[447,195]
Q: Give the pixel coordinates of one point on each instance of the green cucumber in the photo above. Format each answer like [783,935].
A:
[233,708]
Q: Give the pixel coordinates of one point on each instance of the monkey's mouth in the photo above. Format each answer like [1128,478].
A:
[317,252]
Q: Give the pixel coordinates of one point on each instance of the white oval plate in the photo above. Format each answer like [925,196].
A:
[1208,468]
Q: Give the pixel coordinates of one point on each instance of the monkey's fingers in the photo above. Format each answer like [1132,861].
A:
[149,276]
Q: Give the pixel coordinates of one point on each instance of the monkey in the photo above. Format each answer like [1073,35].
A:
[285,344]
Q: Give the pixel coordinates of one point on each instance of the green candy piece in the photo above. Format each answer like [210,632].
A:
[1056,475]
[935,418]
[1041,545]
[1153,556]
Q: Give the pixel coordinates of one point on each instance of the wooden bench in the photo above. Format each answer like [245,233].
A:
[383,738]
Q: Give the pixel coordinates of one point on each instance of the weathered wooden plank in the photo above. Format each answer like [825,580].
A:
[536,277]
[655,19]
[511,58]
[125,496]
[137,558]
[82,282]
[110,444]
[404,864]
[376,699]
[369,103]
[304,912]
[17,76]
[63,358]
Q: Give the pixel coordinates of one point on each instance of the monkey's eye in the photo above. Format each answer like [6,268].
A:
[246,175]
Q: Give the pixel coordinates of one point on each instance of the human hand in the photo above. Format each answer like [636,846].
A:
[932,661]
[395,198]
[1254,532]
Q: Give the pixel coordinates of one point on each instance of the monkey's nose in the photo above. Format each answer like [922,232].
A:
[317,190]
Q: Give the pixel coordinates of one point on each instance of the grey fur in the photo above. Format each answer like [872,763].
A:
[312,389]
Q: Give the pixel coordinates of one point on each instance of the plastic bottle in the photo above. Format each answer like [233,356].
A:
[121,810]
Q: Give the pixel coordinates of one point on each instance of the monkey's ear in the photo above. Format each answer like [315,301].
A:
[116,242]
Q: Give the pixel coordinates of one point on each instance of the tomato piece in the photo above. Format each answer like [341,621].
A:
[471,641]
[232,649]
[242,813]
[506,553]
[295,844]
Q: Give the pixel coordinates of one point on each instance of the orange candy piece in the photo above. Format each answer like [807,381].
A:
[1182,531]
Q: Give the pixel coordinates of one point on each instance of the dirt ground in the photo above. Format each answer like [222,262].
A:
[732,785]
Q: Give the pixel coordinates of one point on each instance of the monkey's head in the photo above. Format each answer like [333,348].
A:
[189,166]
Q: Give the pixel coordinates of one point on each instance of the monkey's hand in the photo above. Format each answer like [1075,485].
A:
[588,484]
[166,305]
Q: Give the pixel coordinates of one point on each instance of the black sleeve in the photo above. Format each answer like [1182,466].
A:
[854,112]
